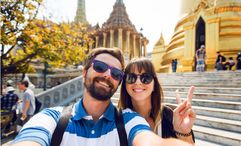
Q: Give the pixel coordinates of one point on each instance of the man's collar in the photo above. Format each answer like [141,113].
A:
[80,112]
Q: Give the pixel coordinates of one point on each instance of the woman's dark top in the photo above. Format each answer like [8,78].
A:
[167,126]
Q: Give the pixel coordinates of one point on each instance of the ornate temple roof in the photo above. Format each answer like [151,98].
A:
[119,18]
[161,41]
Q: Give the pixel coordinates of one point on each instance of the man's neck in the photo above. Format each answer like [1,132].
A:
[94,107]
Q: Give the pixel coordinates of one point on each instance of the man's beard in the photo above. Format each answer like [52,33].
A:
[99,93]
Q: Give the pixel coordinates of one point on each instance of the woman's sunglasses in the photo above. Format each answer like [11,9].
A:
[145,78]
[102,67]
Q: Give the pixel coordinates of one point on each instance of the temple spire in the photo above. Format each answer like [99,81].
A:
[119,1]
[80,13]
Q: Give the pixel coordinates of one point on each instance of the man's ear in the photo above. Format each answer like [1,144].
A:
[84,74]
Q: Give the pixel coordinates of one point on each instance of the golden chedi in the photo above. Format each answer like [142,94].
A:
[215,24]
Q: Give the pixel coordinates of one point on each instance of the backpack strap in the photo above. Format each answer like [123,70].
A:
[64,120]
[61,126]
[119,121]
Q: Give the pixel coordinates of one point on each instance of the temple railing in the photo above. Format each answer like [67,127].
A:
[62,94]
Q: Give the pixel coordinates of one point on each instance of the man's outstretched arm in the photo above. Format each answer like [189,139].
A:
[26,143]
[148,138]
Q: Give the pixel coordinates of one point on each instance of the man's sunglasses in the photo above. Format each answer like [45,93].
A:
[102,67]
[145,78]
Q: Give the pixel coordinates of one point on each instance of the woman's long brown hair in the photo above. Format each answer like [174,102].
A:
[157,94]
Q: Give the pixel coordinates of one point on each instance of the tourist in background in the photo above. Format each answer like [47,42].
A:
[142,92]
[174,65]
[200,59]
[238,61]
[28,102]
[220,61]
[229,64]
[9,104]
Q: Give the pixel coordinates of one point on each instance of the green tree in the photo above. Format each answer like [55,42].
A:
[27,38]
[15,16]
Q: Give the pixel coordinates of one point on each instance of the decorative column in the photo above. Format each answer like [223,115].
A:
[120,38]
[104,40]
[111,38]
[144,45]
[134,46]
[127,41]
[96,41]
[211,47]
[140,49]
[127,47]
[186,63]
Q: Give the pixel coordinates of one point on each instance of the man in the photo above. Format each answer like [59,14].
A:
[92,122]
[8,104]
[28,105]
[200,59]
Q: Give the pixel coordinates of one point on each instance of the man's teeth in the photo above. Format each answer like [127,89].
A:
[103,83]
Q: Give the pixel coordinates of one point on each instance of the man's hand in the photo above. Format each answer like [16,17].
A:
[183,115]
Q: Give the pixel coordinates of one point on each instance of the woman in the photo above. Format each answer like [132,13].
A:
[141,92]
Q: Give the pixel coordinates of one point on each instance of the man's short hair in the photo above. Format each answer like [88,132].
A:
[25,83]
[115,52]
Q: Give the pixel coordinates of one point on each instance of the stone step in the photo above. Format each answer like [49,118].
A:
[192,82]
[214,78]
[115,98]
[193,78]
[213,74]
[218,123]
[209,103]
[217,135]
[210,96]
[220,90]
[200,142]
[215,112]
[205,111]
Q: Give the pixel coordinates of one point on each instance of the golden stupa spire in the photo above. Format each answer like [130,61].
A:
[80,13]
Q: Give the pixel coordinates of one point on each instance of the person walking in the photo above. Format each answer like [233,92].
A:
[28,102]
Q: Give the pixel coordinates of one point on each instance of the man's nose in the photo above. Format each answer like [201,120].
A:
[107,73]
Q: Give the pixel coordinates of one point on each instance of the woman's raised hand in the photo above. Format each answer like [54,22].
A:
[183,115]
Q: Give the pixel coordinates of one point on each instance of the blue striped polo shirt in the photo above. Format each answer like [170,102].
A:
[81,129]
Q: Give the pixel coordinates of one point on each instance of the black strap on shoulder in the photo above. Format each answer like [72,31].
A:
[61,126]
[64,120]
[119,121]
